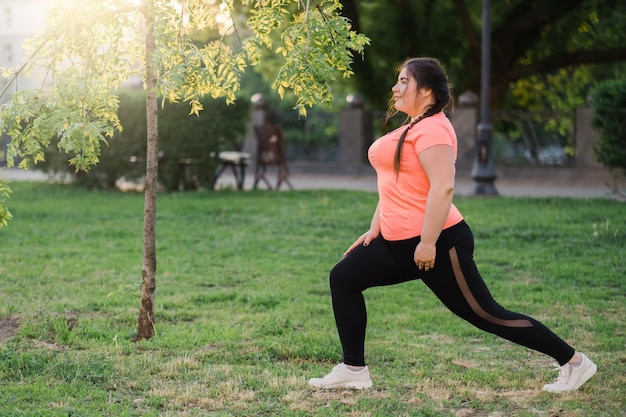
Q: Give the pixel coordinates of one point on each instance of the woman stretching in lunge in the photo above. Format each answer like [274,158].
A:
[417,233]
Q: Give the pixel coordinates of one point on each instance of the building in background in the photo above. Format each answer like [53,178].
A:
[19,20]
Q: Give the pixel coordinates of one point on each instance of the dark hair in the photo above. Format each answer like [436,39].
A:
[427,72]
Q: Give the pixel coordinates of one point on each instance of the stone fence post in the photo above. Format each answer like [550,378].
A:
[259,115]
[585,137]
[464,118]
[356,133]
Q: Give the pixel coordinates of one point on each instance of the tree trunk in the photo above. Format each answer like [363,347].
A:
[145,327]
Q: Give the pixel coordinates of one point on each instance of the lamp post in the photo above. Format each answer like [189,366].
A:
[483,171]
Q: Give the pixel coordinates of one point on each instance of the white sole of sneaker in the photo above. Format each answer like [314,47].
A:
[344,385]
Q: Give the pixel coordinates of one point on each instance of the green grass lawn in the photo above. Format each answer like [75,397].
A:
[243,314]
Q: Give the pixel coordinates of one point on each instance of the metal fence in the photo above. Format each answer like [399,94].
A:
[534,138]
[314,138]
[519,137]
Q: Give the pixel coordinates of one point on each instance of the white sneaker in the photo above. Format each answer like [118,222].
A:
[572,377]
[343,377]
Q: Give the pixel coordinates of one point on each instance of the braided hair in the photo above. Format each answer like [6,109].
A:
[427,72]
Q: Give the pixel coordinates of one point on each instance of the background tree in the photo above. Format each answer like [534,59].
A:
[89,49]
[532,40]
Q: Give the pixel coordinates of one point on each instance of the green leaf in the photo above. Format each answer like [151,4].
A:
[90,49]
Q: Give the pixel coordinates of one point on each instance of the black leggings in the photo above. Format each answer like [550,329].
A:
[455,280]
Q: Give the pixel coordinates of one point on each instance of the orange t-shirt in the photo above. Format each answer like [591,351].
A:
[402,202]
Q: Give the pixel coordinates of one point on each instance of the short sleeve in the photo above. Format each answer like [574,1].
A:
[433,133]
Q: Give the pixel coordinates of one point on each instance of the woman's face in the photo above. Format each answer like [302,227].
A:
[407,97]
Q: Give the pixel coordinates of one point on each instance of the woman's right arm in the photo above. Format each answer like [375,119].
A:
[371,234]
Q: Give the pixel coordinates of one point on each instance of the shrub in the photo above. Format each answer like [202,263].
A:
[182,137]
[608,107]
[197,139]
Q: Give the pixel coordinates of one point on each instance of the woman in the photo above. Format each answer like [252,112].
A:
[417,233]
